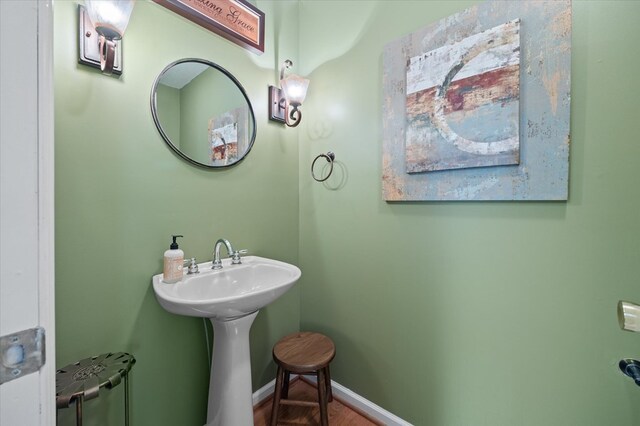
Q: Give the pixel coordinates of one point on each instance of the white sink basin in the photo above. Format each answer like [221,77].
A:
[230,297]
[231,292]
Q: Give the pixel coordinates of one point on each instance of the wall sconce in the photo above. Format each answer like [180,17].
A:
[101,26]
[285,102]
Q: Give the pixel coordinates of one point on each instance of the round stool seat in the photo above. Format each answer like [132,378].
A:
[304,352]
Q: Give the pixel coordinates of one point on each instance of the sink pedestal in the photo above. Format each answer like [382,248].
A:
[230,392]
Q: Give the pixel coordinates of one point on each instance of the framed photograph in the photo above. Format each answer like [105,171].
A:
[236,20]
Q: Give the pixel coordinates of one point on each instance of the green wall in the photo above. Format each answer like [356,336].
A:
[443,313]
[472,313]
[168,100]
[121,193]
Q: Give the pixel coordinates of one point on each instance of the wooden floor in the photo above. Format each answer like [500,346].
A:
[339,413]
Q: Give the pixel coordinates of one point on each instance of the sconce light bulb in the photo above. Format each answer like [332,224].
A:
[629,316]
[295,89]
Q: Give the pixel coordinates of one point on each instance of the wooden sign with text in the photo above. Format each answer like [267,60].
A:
[236,20]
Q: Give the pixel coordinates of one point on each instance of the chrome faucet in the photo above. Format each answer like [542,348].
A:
[234,254]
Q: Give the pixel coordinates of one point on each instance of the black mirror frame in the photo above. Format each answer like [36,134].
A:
[156,120]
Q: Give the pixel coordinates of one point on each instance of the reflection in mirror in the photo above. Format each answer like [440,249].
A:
[203,113]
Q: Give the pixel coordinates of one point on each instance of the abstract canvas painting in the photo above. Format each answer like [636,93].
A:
[223,144]
[462,106]
[477,106]
[227,136]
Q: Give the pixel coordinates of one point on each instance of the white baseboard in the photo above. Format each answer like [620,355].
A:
[343,394]
[266,391]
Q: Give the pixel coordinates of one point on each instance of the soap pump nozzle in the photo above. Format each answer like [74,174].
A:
[174,244]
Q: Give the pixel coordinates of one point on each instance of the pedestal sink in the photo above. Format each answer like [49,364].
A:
[230,297]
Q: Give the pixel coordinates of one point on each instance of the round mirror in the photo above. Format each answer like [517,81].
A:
[203,113]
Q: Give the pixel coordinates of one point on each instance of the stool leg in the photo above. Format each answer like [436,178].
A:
[322,397]
[329,391]
[126,398]
[79,410]
[276,396]
[285,386]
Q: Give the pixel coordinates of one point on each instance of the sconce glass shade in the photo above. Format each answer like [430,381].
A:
[109,17]
[295,89]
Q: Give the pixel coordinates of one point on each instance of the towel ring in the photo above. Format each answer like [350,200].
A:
[330,157]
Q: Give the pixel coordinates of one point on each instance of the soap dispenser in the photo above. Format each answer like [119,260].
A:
[173,263]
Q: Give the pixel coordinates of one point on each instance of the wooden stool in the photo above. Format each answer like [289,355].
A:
[303,353]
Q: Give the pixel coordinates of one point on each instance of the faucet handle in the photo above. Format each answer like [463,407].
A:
[193,266]
[235,256]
